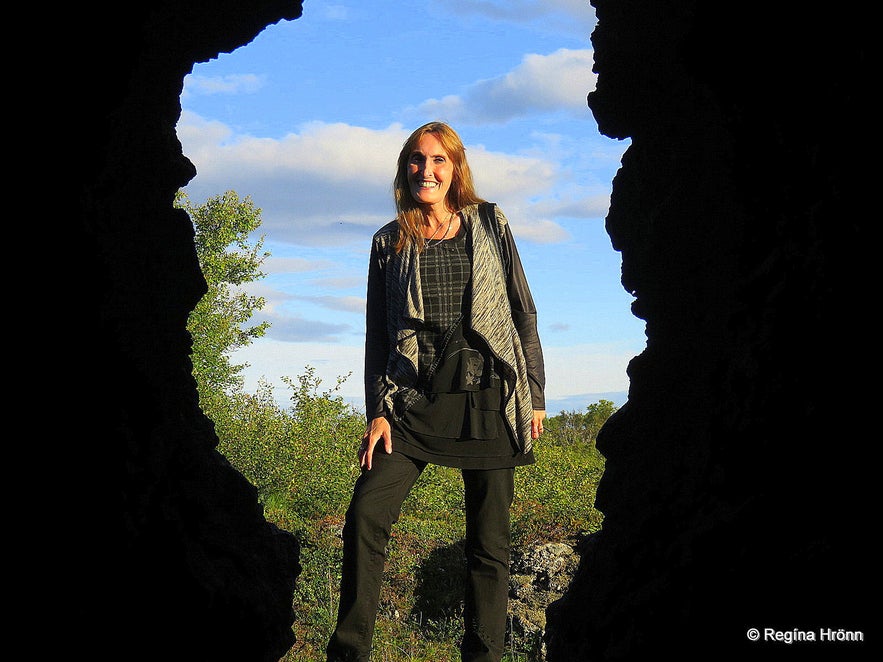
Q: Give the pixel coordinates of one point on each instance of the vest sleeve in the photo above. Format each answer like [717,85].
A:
[524,315]
[376,336]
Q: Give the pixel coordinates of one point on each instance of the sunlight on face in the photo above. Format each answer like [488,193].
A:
[430,171]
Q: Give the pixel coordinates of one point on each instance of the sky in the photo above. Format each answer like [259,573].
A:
[308,120]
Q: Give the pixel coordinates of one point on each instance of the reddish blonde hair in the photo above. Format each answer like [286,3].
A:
[462,191]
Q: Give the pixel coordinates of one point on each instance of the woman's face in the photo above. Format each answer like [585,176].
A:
[430,172]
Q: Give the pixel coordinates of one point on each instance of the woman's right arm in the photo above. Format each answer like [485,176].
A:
[376,358]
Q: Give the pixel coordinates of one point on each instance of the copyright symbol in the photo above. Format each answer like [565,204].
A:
[753,634]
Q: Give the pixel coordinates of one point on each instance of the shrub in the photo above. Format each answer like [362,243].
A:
[573,427]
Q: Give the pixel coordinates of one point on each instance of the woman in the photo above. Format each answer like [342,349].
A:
[453,376]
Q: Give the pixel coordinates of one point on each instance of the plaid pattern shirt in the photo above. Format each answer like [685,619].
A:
[445,270]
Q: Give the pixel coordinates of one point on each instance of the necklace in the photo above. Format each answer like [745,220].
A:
[429,243]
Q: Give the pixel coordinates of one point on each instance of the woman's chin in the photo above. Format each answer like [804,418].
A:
[423,197]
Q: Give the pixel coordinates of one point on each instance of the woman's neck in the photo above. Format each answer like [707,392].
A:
[437,215]
[439,222]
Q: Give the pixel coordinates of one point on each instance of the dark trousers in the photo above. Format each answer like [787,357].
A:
[375,507]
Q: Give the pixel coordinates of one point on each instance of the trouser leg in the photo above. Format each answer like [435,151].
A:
[489,496]
[374,508]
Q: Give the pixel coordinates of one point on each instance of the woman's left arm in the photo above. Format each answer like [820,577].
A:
[524,314]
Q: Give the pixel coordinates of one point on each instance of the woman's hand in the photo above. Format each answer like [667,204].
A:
[377,429]
[536,426]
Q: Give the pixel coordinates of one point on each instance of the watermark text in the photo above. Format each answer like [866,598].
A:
[796,636]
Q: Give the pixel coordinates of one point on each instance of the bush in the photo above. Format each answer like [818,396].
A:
[572,427]
[301,459]
[555,498]
[322,450]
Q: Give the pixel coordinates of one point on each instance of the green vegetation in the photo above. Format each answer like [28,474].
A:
[302,459]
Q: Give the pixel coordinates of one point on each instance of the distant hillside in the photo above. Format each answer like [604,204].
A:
[583,400]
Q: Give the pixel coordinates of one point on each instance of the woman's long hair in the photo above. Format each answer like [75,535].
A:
[461,193]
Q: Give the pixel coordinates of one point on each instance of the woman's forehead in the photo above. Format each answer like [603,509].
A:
[429,144]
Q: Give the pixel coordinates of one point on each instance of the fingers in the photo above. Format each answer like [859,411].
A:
[387,441]
[366,451]
[366,454]
[536,425]
[378,429]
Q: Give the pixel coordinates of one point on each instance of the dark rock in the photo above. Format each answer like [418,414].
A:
[168,555]
[736,487]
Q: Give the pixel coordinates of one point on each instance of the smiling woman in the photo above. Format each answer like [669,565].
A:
[454,377]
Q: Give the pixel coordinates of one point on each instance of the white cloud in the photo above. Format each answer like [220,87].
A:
[331,184]
[231,84]
[540,84]
[348,304]
[555,16]
[326,184]
[341,282]
[282,265]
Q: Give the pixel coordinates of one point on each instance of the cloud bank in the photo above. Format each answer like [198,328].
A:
[558,82]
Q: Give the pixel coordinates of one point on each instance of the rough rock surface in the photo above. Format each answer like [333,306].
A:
[169,556]
[538,576]
[736,484]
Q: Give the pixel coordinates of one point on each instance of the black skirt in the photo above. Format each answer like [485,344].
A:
[459,421]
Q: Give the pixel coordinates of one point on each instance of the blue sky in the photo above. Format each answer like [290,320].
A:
[308,120]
